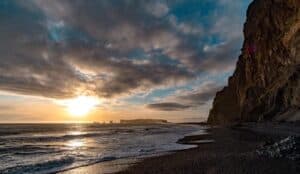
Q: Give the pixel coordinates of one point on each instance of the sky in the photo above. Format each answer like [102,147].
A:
[135,58]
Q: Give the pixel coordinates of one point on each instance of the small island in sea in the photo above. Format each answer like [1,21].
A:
[143,121]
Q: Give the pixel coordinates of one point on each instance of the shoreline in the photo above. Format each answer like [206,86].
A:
[121,164]
[231,151]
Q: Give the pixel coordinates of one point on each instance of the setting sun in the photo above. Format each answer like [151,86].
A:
[81,105]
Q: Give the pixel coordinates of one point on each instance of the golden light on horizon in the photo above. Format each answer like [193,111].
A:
[81,105]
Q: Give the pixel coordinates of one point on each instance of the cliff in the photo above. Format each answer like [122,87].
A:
[266,82]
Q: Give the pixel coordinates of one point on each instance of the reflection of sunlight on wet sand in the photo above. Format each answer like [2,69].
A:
[104,167]
[76,143]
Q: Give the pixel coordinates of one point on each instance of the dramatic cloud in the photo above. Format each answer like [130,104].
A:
[187,99]
[199,96]
[167,106]
[111,48]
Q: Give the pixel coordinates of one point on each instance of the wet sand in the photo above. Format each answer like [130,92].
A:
[103,167]
[230,150]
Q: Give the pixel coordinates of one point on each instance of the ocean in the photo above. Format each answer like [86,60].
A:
[49,148]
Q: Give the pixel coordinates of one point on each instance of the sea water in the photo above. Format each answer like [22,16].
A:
[48,148]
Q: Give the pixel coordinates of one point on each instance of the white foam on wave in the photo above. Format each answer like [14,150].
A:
[92,146]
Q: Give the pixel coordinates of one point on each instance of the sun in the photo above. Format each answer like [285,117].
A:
[81,105]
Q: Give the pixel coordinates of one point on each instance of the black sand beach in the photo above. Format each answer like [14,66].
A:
[232,152]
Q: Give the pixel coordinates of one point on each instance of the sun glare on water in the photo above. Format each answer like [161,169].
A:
[81,105]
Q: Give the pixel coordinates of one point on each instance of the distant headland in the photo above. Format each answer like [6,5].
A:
[143,121]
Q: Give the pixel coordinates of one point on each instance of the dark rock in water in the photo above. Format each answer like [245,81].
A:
[286,148]
[266,82]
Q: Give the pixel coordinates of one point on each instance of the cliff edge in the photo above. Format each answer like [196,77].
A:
[266,82]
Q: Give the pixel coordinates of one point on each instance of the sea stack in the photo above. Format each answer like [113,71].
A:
[266,83]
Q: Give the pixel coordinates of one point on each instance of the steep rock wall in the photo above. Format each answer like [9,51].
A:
[266,82]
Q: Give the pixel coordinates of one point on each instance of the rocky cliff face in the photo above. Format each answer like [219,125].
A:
[266,82]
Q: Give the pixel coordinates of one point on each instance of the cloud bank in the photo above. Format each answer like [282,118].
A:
[110,48]
[183,100]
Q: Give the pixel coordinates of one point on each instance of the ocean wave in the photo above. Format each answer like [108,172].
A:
[8,133]
[38,152]
[88,162]
[27,149]
[44,167]
[106,158]
[53,166]
[52,152]
[53,138]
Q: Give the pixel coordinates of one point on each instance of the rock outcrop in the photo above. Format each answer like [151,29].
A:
[286,148]
[266,82]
